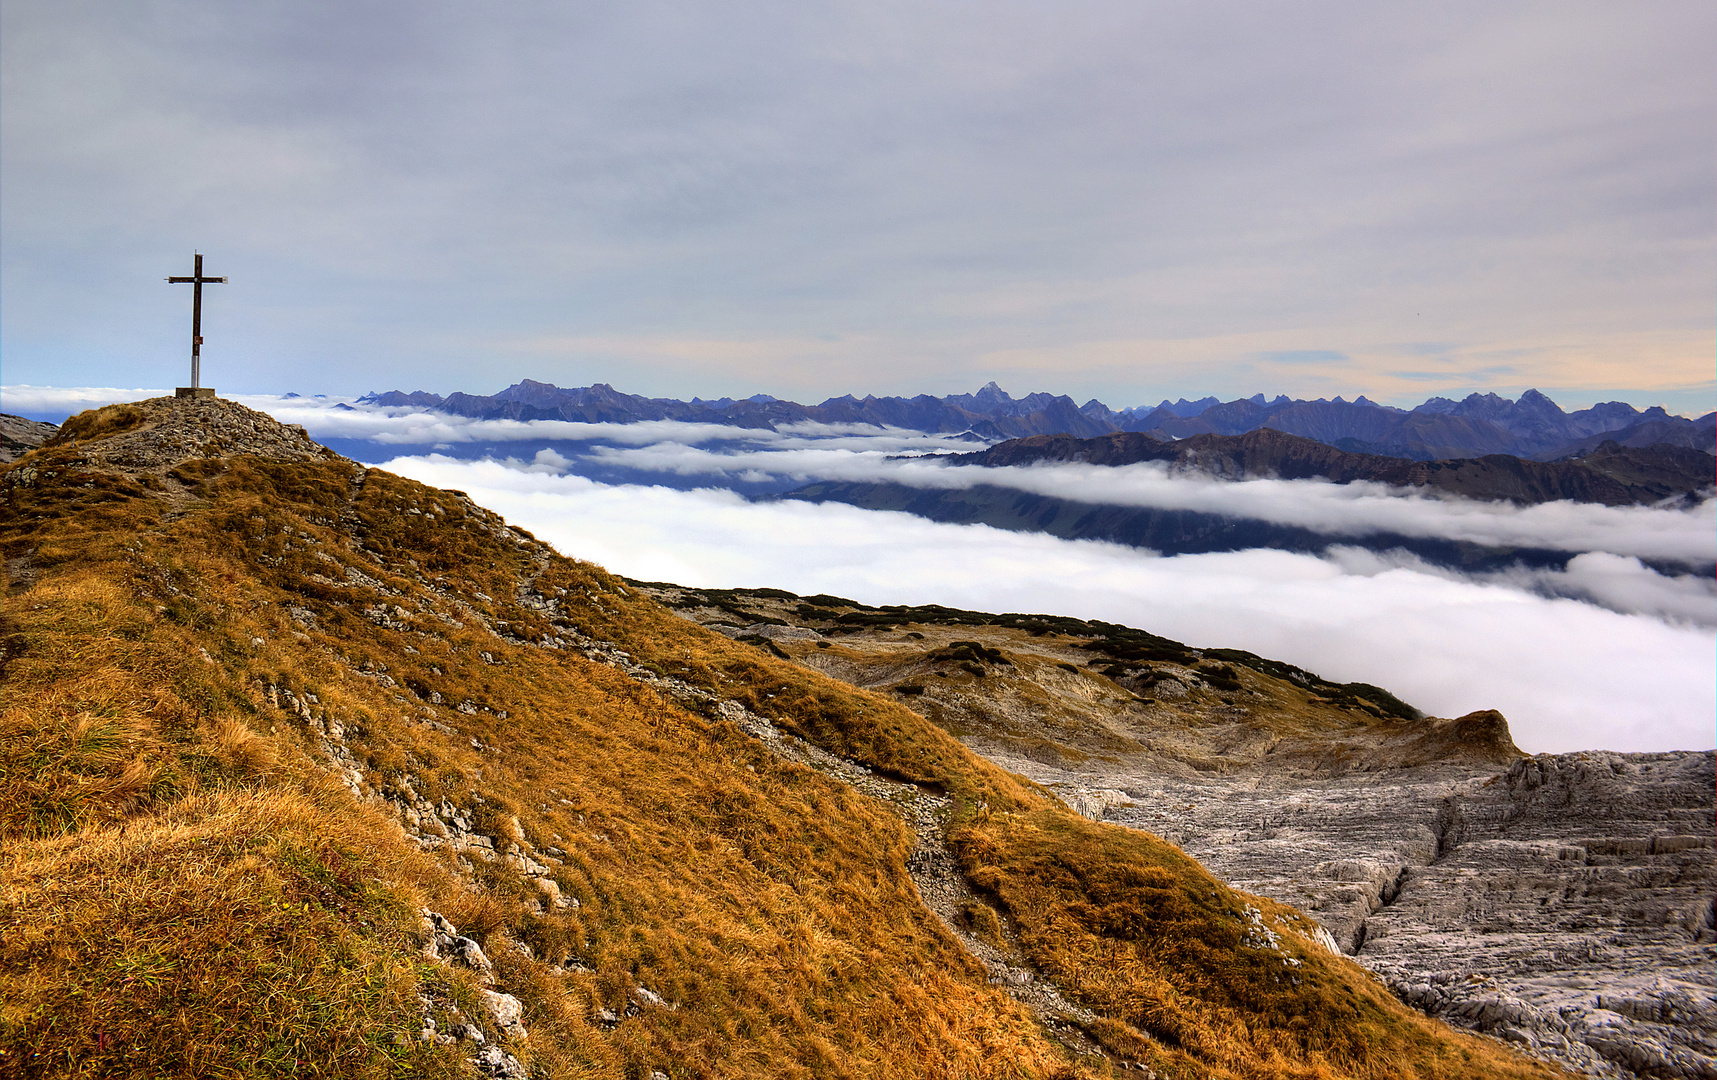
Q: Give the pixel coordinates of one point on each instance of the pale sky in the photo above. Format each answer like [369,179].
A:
[1127,201]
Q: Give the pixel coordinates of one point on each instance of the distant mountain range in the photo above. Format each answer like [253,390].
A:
[1611,474]
[1531,427]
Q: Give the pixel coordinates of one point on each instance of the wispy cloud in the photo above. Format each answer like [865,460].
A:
[346,418]
[64,400]
[422,427]
[1569,675]
[1620,583]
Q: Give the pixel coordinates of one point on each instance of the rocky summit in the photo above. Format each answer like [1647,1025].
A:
[314,770]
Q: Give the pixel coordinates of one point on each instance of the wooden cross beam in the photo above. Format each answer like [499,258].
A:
[196,281]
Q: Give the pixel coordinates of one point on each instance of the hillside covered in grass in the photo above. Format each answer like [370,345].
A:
[309,770]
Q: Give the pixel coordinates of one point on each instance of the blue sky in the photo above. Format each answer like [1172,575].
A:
[1125,201]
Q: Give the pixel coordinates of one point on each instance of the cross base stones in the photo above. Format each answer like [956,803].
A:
[194,392]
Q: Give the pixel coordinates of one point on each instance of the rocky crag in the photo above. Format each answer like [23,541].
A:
[1561,902]
[1564,903]
[19,436]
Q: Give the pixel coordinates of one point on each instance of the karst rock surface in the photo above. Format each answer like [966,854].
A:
[1564,903]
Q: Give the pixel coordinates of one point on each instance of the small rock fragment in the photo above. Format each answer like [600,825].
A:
[506,1011]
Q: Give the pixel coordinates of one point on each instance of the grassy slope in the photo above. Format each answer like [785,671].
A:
[186,890]
[1157,945]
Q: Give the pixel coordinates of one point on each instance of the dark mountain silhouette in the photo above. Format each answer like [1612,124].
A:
[1481,424]
[1673,431]
[1612,474]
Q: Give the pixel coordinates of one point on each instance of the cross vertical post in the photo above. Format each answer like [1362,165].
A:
[196,281]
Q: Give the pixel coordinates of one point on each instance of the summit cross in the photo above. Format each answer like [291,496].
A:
[196,281]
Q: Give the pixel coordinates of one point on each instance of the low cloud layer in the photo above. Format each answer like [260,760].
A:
[806,452]
[1569,675]
[1620,583]
[800,453]
[1335,510]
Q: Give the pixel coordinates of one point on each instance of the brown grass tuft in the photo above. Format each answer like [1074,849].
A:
[97,424]
[479,912]
[241,752]
[239,934]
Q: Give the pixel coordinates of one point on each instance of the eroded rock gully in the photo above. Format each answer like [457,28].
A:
[1565,903]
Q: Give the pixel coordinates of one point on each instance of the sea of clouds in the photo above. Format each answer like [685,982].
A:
[1607,652]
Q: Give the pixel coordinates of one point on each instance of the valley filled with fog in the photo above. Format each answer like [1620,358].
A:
[1610,647]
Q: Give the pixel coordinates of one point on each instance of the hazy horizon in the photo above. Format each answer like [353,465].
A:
[57,402]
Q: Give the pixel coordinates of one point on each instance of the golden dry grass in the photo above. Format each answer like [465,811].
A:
[187,889]
[239,933]
[1180,969]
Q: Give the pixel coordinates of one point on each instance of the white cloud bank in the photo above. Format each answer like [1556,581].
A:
[1569,675]
[44,400]
[1354,509]
[855,452]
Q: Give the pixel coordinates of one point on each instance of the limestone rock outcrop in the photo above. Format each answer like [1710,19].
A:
[19,436]
[1565,903]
